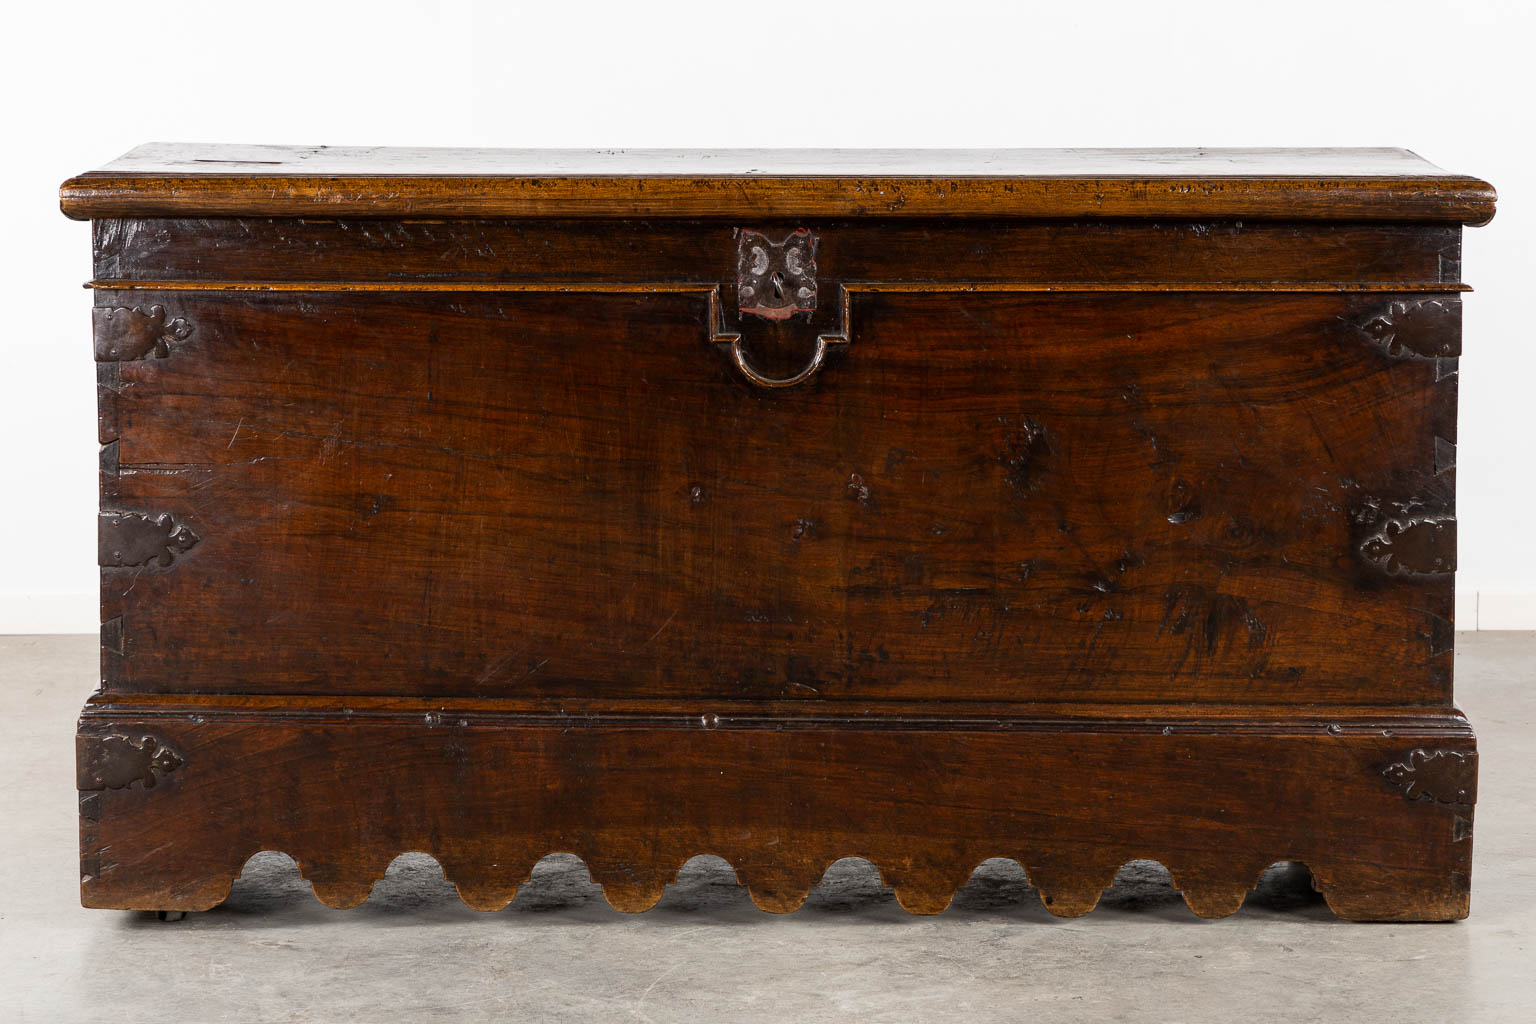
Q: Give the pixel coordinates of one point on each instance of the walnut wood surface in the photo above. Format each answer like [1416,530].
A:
[1117,522]
[255,252]
[1271,719]
[489,794]
[167,179]
[963,507]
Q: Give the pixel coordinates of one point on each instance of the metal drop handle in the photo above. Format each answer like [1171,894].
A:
[818,358]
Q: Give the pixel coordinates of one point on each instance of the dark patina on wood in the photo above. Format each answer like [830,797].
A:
[1070,507]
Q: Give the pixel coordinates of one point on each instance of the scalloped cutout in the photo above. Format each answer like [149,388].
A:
[849,883]
[1287,886]
[997,883]
[1144,887]
[919,888]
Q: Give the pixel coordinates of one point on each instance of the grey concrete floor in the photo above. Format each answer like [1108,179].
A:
[559,953]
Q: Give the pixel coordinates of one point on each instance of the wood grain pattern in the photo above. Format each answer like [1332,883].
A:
[488,794]
[210,181]
[439,513]
[978,515]
[351,253]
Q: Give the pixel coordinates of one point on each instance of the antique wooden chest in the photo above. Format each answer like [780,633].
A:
[1067,506]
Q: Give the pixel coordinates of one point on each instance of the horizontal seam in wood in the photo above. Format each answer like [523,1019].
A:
[449,720]
[840,707]
[572,287]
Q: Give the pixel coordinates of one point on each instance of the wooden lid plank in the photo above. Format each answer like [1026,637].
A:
[170,179]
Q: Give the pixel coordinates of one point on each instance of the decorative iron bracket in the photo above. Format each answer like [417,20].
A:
[117,762]
[1417,328]
[124,333]
[136,538]
[1417,546]
[1440,776]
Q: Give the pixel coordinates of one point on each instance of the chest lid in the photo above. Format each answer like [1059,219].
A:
[208,180]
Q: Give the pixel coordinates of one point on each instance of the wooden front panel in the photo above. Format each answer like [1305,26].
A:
[1074,496]
[489,794]
[493,251]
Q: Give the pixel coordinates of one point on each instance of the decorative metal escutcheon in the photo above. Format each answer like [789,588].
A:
[776,280]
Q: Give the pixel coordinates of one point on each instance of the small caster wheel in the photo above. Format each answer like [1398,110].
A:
[170,915]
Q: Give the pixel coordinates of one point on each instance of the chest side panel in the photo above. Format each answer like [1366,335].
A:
[1074,496]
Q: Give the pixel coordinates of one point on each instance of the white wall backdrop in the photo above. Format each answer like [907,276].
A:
[88,80]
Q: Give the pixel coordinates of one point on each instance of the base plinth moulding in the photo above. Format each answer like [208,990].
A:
[176,795]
